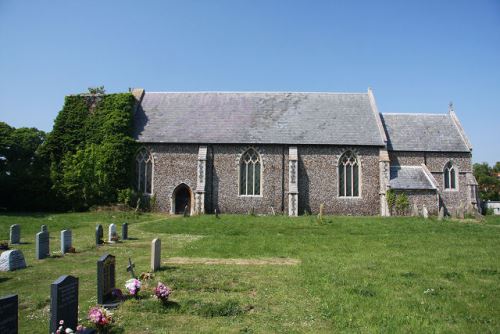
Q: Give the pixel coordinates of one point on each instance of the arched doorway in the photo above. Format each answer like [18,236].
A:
[181,199]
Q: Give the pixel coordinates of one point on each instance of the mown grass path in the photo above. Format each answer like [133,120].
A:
[363,274]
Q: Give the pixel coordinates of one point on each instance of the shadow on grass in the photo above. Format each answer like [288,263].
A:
[132,239]
[4,279]
[167,268]
[171,305]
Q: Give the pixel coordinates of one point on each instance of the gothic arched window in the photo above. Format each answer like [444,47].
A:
[250,173]
[144,171]
[450,176]
[348,175]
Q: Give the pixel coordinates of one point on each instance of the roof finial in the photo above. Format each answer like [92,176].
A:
[450,107]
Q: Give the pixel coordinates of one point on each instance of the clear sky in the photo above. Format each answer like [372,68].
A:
[416,55]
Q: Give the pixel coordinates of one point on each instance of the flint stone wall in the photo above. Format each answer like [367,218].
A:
[318,178]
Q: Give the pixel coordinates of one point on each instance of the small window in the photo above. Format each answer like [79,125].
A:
[348,175]
[144,170]
[450,177]
[250,173]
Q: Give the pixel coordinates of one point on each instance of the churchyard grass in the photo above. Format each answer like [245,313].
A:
[356,274]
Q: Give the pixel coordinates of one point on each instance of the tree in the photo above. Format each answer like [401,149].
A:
[24,170]
[489,184]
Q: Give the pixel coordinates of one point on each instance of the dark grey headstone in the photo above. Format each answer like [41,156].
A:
[12,260]
[66,240]
[99,234]
[105,279]
[42,249]
[125,231]
[15,234]
[64,302]
[155,254]
[44,228]
[9,314]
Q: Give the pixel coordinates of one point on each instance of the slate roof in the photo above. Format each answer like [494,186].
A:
[409,177]
[424,132]
[260,118]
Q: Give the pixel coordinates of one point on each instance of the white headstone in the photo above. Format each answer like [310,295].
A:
[155,254]
[111,232]
[425,212]
[12,260]
[15,234]
[66,240]
[414,211]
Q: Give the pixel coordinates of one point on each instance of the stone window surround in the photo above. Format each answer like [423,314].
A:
[261,160]
[151,158]
[457,178]
[355,153]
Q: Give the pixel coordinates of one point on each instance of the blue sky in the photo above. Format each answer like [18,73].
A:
[416,55]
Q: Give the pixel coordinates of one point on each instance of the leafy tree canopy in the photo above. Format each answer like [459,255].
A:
[489,184]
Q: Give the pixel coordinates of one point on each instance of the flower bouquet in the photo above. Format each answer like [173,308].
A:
[133,286]
[101,318]
[162,292]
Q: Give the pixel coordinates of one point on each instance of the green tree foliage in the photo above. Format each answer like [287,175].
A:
[489,184]
[91,149]
[24,169]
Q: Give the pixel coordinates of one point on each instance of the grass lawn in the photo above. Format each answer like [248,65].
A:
[352,274]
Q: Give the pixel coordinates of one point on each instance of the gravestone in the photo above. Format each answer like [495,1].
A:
[425,212]
[111,232]
[106,280]
[12,260]
[130,268]
[15,234]
[414,210]
[44,228]
[441,213]
[42,249]
[66,240]
[64,302]
[125,231]
[186,211]
[155,254]
[99,235]
[9,314]
[461,211]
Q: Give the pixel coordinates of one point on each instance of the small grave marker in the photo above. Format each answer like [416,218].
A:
[66,241]
[111,232]
[15,234]
[441,213]
[130,268]
[99,234]
[64,302]
[9,314]
[425,212]
[12,260]
[125,231]
[42,248]
[155,254]
[44,228]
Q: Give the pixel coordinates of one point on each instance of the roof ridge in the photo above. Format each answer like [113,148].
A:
[255,92]
[414,113]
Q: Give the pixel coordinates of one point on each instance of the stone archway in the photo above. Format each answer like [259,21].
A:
[182,197]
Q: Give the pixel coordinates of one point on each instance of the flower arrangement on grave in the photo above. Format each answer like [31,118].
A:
[162,292]
[117,294]
[4,245]
[71,250]
[61,329]
[101,318]
[133,286]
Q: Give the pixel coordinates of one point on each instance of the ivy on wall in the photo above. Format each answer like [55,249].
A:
[91,149]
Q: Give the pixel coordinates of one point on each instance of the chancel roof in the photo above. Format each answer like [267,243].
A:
[409,177]
[258,118]
[425,132]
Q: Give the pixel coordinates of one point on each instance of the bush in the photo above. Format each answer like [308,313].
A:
[402,203]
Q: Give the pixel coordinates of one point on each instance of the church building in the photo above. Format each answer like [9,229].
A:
[279,152]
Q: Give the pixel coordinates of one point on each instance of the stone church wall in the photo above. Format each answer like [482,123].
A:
[318,181]
[421,198]
[435,162]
